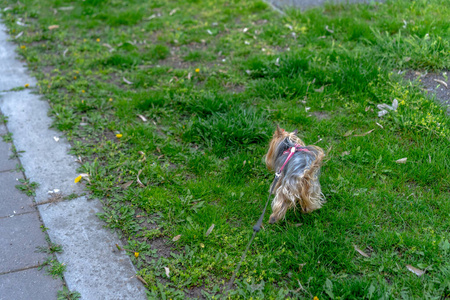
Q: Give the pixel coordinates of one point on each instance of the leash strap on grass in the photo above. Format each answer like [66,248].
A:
[256,229]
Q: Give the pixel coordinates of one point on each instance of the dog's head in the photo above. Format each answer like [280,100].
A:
[279,140]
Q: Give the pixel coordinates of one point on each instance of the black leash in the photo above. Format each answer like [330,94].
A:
[256,229]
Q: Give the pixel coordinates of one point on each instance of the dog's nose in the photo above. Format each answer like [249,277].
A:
[272,220]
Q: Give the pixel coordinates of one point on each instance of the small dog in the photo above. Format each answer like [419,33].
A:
[298,167]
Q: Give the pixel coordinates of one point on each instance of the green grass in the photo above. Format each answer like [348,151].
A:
[27,187]
[65,294]
[212,78]
[53,267]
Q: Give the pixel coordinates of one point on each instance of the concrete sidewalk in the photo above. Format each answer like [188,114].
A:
[94,266]
[20,235]
[305,4]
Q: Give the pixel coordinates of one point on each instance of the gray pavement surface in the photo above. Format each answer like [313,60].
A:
[42,287]
[20,235]
[94,266]
[305,4]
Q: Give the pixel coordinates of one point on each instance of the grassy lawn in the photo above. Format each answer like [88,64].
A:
[170,106]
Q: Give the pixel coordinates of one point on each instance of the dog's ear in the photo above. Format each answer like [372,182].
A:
[295,132]
[279,131]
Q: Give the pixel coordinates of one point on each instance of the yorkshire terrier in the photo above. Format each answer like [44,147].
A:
[298,169]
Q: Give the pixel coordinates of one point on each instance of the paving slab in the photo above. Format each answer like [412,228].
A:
[38,284]
[19,237]
[5,152]
[45,160]
[304,4]
[96,268]
[13,201]
[2,128]
[13,71]
[93,268]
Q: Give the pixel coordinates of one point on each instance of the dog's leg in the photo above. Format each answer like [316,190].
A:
[280,204]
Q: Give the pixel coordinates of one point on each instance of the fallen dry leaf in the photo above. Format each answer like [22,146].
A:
[127,184]
[365,133]
[126,81]
[277,62]
[85,177]
[441,82]
[415,270]
[167,271]
[381,126]
[345,153]
[66,8]
[384,108]
[300,266]
[401,160]
[141,279]
[51,27]
[108,46]
[320,90]
[144,119]
[348,133]
[138,180]
[361,252]
[176,238]
[210,229]
[328,29]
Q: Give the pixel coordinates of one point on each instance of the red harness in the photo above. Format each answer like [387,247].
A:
[296,148]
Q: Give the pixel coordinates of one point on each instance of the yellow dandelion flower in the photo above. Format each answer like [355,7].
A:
[136,254]
[27,85]
[197,70]
[110,99]
[316,298]
[23,47]
[83,91]
[119,135]
[74,77]
[77,179]
[98,40]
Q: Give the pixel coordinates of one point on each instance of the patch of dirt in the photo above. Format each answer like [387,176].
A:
[320,115]
[432,83]
[163,248]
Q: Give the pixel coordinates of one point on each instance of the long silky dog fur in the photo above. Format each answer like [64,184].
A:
[299,181]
